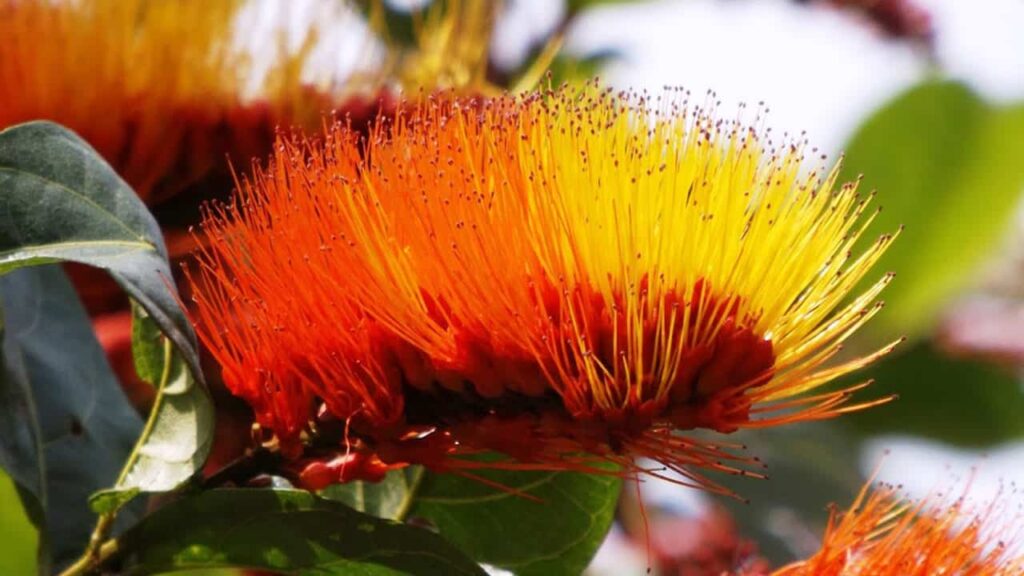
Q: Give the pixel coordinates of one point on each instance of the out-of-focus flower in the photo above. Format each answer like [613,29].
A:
[883,535]
[155,86]
[904,19]
[566,278]
[708,544]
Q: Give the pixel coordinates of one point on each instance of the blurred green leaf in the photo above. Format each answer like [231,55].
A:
[555,529]
[86,424]
[18,537]
[62,201]
[948,166]
[964,402]
[179,431]
[568,69]
[809,466]
[575,6]
[395,24]
[286,531]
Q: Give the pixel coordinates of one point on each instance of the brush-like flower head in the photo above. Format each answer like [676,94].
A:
[562,277]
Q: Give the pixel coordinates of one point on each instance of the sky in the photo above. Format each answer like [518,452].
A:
[818,69]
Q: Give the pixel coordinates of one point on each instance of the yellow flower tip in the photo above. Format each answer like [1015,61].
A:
[564,277]
[882,535]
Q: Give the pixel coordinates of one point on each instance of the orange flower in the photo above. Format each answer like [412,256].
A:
[155,86]
[882,535]
[564,278]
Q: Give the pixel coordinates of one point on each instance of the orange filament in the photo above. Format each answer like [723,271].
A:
[565,278]
[882,535]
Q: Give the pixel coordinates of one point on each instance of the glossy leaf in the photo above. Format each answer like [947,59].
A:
[555,529]
[556,533]
[964,402]
[285,531]
[63,202]
[86,425]
[947,165]
[177,436]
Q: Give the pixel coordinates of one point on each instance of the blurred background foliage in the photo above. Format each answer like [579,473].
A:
[936,127]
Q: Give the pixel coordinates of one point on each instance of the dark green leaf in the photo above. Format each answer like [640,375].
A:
[63,202]
[948,166]
[557,532]
[964,402]
[86,424]
[286,531]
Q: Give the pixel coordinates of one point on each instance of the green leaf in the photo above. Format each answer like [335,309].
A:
[63,202]
[575,6]
[558,533]
[964,402]
[85,424]
[178,434]
[390,498]
[948,166]
[18,535]
[555,530]
[147,346]
[110,500]
[285,531]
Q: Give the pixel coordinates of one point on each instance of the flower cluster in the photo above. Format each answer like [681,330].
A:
[156,87]
[564,278]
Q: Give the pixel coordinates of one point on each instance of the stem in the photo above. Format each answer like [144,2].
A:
[98,552]
[244,468]
[94,556]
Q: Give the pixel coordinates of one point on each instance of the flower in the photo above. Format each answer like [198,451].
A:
[155,86]
[883,535]
[566,278]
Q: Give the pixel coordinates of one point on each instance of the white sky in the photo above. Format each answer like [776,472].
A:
[818,70]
